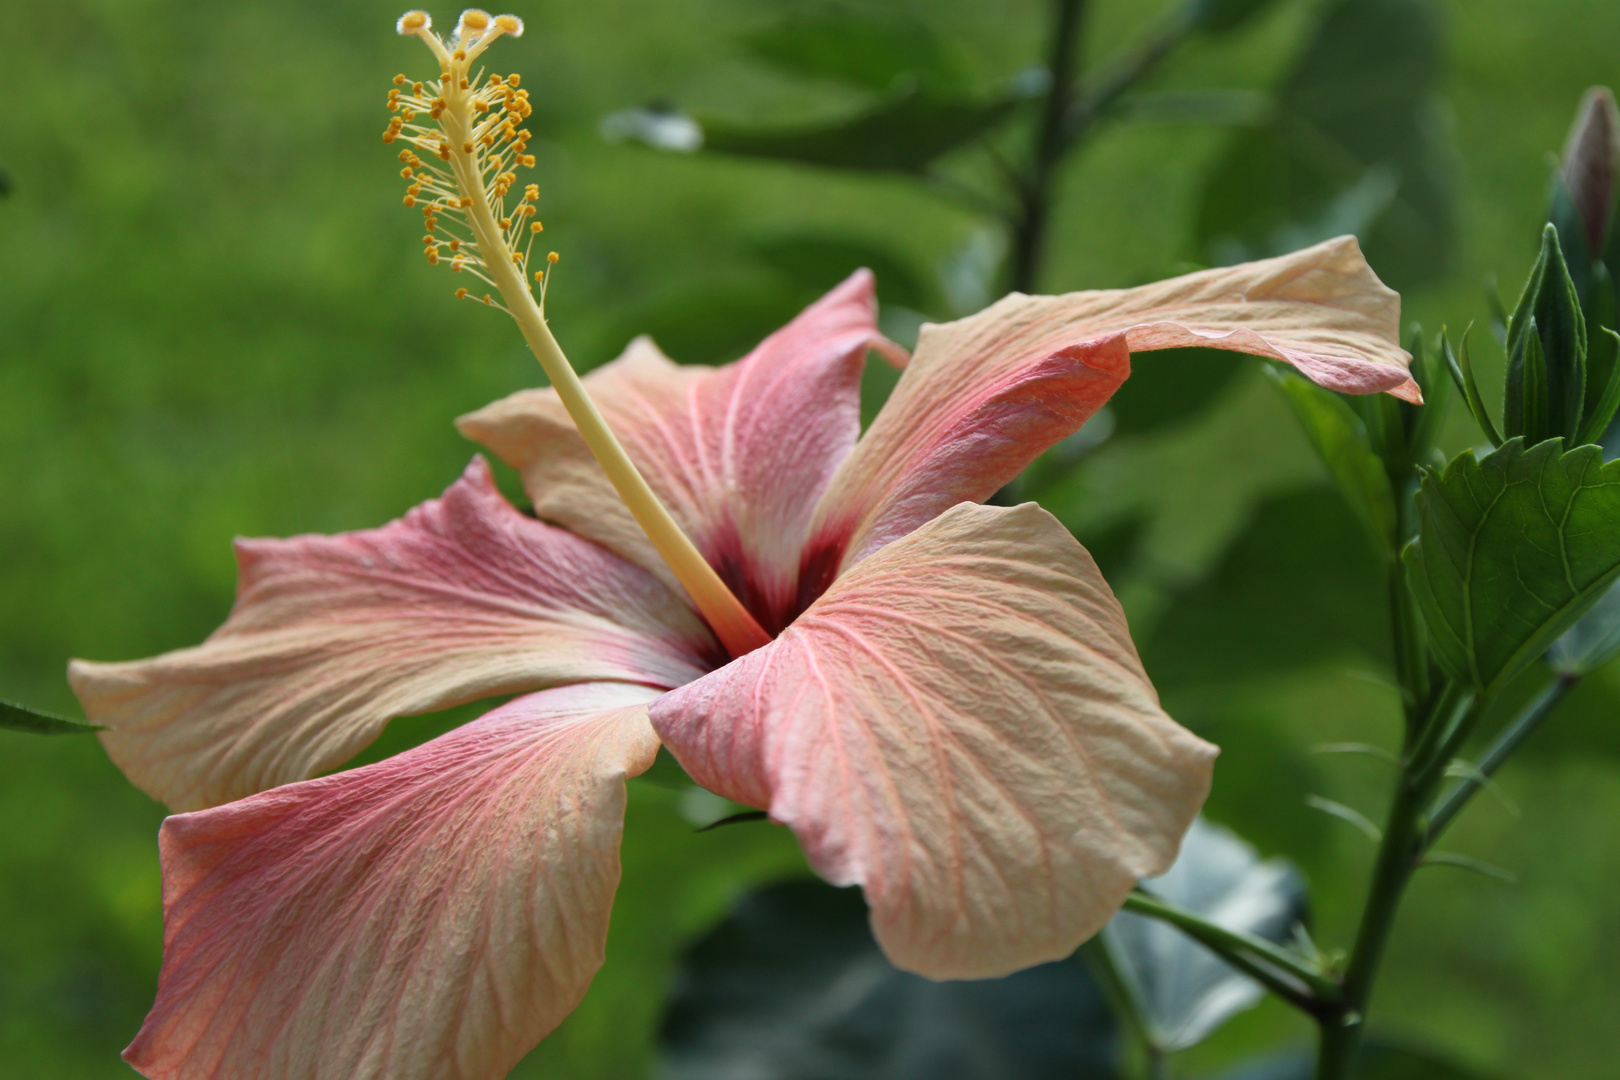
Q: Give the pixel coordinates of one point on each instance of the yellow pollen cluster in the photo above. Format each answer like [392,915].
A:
[465,145]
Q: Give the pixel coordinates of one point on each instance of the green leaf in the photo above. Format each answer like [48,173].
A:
[1219,16]
[870,50]
[1355,145]
[903,133]
[1340,438]
[1546,377]
[1510,551]
[1463,375]
[22,718]
[791,986]
[1600,412]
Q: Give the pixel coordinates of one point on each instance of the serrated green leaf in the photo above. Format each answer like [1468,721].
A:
[1510,551]
[1341,439]
[870,49]
[903,133]
[1354,145]
[22,718]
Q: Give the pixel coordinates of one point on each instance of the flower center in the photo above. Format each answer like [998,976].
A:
[472,148]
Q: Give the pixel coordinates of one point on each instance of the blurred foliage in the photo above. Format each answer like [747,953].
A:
[792,985]
[1357,142]
[211,324]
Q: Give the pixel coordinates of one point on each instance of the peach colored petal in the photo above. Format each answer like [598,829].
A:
[986,394]
[961,725]
[738,453]
[431,917]
[332,637]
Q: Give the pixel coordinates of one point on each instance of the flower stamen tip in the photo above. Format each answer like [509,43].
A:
[413,21]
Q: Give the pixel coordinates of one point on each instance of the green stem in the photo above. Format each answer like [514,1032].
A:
[1283,973]
[1035,190]
[1506,743]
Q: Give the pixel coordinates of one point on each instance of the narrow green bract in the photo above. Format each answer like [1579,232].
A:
[1510,551]
[22,718]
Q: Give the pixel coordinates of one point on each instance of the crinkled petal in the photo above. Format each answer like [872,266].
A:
[986,394]
[738,453]
[430,917]
[960,725]
[332,637]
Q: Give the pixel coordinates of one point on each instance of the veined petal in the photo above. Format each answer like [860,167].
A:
[986,394]
[430,917]
[332,637]
[961,725]
[738,453]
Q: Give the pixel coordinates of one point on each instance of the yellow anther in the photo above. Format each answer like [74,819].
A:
[458,55]
[407,172]
[552,258]
[488,301]
[461,294]
[537,228]
[414,189]
[407,115]
[539,276]
[388,136]
[455,245]
[410,200]
[513,78]
[466,148]
[511,24]
[526,160]
[433,256]
[516,258]
[466,202]
[475,20]
[506,223]
[412,21]
[399,80]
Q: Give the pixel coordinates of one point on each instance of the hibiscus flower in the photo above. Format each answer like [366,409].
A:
[940,699]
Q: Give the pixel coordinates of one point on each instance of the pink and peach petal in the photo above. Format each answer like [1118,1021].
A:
[962,726]
[431,917]
[332,637]
[739,454]
[1321,309]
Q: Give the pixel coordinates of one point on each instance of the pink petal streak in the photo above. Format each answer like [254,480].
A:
[961,725]
[331,637]
[738,453]
[431,917]
[985,395]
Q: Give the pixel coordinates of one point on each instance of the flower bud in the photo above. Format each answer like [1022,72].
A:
[1591,163]
[1546,378]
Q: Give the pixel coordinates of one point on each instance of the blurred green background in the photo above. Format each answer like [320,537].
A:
[214,321]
